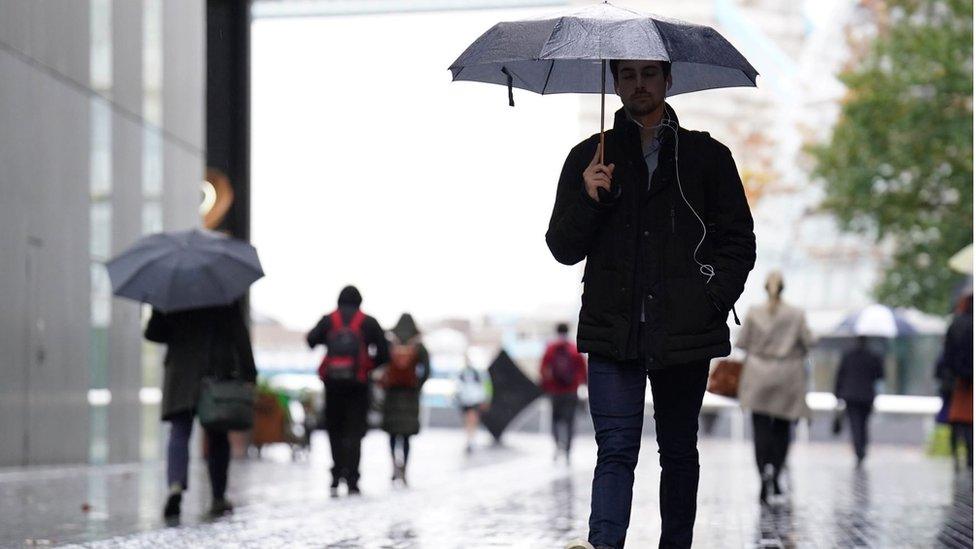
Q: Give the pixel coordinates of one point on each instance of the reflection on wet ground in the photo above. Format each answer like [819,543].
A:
[511,496]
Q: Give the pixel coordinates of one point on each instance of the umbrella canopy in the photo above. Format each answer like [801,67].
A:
[962,261]
[511,393]
[563,53]
[185,270]
[876,321]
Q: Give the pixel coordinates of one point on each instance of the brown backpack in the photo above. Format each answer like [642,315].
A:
[402,369]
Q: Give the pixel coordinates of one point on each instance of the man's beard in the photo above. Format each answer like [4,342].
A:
[641,108]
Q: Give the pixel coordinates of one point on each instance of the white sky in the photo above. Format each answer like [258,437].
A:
[371,168]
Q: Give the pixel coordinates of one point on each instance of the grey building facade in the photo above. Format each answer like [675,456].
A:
[102,140]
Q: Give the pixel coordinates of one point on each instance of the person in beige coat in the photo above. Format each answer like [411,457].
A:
[776,339]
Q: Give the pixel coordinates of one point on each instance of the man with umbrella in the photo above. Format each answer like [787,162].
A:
[668,242]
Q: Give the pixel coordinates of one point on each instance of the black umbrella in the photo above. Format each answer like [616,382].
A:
[511,393]
[568,51]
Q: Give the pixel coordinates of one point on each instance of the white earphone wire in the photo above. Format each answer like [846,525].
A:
[704,268]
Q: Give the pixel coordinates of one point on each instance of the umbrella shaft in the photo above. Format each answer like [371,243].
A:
[603,91]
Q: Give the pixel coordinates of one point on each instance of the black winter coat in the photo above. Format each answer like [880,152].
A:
[859,369]
[631,247]
[213,341]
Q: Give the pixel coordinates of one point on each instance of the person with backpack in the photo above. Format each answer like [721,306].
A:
[562,371]
[354,343]
[403,377]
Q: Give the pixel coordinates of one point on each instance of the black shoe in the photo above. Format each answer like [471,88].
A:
[220,507]
[172,509]
[777,490]
[764,491]
[354,490]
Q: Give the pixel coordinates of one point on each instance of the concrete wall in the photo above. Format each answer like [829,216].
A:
[47,107]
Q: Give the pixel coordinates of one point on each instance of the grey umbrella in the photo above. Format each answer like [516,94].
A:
[567,53]
[185,270]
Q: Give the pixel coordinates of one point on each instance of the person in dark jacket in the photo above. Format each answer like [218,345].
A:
[664,226]
[213,341]
[958,357]
[562,371]
[402,380]
[355,344]
[860,368]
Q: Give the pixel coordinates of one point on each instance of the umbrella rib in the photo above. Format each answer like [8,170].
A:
[546,85]
[217,282]
[137,272]
[172,280]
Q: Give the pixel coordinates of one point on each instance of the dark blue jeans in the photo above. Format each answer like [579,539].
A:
[617,406]
[178,455]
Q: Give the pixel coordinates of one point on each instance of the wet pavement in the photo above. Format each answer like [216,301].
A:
[511,496]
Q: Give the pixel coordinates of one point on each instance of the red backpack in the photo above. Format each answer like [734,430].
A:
[563,364]
[346,358]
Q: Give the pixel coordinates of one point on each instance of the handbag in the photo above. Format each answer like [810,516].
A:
[724,378]
[226,403]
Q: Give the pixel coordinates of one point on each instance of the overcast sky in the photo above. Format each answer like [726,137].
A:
[370,167]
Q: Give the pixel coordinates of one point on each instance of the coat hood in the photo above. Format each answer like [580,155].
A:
[405,328]
[350,297]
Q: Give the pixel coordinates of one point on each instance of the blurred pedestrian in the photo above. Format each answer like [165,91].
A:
[562,371]
[958,356]
[668,246]
[402,380]
[354,343]
[860,368]
[947,384]
[773,386]
[472,399]
[208,342]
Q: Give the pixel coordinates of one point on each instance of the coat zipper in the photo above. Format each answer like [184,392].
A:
[672,219]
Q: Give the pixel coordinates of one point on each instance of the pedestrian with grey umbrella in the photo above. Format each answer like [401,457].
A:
[214,342]
[660,216]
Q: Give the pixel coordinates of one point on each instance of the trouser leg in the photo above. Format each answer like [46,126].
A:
[218,462]
[678,392]
[617,408]
[178,449]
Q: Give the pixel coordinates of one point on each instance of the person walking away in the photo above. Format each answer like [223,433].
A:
[668,245]
[403,378]
[860,368]
[562,371]
[947,383]
[212,341]
[472,399]
[958,356]
[354,343]
[776,340]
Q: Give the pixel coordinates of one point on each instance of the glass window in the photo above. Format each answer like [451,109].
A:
[152,163]
[152,61]
[100,35]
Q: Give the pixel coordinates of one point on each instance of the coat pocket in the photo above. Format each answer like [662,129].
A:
[690,310]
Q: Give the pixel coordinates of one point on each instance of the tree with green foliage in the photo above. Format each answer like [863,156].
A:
[899,165]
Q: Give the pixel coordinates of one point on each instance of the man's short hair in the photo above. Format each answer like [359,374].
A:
[562,328]
[615,64]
